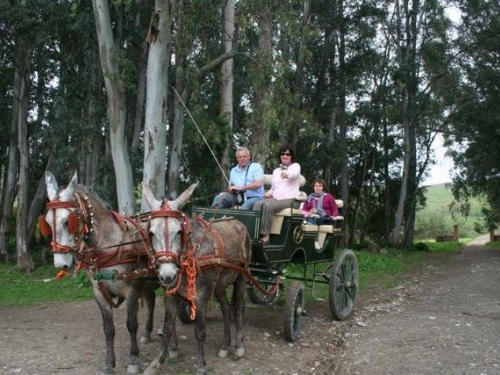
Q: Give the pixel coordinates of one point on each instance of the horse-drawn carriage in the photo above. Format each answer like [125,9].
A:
[301,252]
[196,258]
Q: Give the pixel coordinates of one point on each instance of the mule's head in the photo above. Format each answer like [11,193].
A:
[167,231]
[62,219]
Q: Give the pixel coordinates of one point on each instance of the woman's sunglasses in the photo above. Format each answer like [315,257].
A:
[286,154]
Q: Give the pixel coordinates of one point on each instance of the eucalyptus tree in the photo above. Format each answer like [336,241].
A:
[109,51]
[198,59]
[418,31]
[159,39]
[226,82]
[475,116]
[31,54]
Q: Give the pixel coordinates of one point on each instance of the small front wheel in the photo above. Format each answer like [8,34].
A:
[184,312]
[344,284]
[272,285]
[294,311]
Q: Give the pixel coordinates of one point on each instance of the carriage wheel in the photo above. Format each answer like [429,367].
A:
[184,313]
[294,311]
[344,284]
[259,298]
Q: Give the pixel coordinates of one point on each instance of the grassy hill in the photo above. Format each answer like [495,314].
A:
[436,218]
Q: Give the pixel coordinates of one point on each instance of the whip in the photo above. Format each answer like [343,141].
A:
[199,131]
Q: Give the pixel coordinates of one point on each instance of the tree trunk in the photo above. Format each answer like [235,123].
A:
[159,39]
[9,183]
[408,91]
[38,201]
[117,113]
[293,132]
[262,87]
[177,137]
[178,110]
[24,261]
[226,106]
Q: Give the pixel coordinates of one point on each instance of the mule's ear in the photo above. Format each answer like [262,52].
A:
[73,182]
[51,183]
[183,198]
[69,191]
[149,197]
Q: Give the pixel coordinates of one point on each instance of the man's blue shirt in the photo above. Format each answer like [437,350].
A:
[244,177]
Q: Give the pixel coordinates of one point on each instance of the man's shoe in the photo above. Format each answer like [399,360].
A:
[264,240]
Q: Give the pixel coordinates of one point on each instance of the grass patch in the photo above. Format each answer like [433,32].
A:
[20,289]
[493,245]
[385,270]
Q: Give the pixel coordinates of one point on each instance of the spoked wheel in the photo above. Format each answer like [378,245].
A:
[294,311]
[184,313]
[259,298]
[344,284]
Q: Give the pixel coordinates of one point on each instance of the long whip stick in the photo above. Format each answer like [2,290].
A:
[199,131]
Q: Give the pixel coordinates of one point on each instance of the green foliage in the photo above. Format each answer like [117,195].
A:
[39,286]
[474,120]
[438,216]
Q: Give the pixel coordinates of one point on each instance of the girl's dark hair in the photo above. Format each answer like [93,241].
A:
[320,181]
[284,149]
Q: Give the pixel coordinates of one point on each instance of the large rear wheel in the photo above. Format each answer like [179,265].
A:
[344,284]
[294,311]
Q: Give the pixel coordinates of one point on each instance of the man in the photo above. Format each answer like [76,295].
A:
[245,177]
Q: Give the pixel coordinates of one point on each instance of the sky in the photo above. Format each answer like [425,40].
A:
[440,172]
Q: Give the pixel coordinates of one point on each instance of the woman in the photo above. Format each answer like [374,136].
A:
[320,204]
[285,184]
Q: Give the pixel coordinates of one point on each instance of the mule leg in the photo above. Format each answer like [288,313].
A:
[109,331]
[227,317]
[238,304]
[169,337]
[200,333]
[169,333]
[132,327]
[150,299]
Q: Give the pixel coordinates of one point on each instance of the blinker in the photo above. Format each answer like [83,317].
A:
[45,229]
[73,223]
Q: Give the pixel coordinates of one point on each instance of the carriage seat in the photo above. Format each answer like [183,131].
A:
[295,210]
[327,228]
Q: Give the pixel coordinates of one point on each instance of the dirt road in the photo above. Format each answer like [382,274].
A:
[447,322]
[444,320]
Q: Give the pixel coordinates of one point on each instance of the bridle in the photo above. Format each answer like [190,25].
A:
[163,256]
[80,221]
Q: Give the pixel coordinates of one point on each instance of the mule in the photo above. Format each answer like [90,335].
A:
[114,251]
[197,260]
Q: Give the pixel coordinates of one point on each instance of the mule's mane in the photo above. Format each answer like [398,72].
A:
[82,190]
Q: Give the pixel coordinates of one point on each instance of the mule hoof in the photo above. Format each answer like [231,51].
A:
[223,353]
[133,369]
[108,371]
[239,352]
[173,354]
[145,339]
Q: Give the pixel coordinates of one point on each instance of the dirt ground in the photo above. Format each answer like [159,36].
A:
[445,319]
